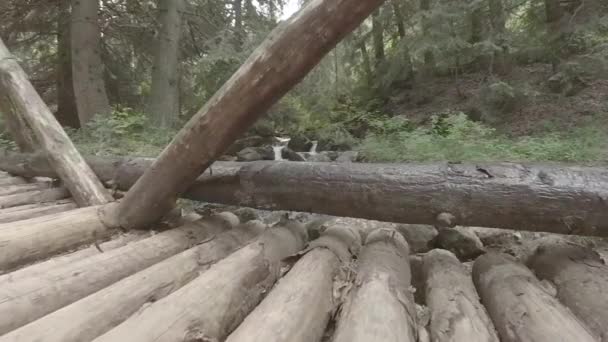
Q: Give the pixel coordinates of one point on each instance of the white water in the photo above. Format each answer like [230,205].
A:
[278,149]
[313,149]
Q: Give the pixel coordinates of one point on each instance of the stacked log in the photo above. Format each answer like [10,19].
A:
[213,304]
[381,305]
[35,210]
[35,196]
[98,313]
[521,309]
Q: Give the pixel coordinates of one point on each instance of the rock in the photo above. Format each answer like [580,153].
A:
[460,241]
[417,278]
[263,129]
[420,237]
[246,214]
[251,141]
[226,157]
[300,144]
[319,158]
[348,157]
[289,154]
[557,82]
[256,153]
[332,155]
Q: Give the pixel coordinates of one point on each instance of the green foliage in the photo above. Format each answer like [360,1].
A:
[454,137]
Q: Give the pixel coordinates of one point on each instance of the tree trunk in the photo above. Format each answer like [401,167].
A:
[306,294]
[554,15]
[520,308]
[45,209]
[63,156]
[581,280]
[87,64]
[289,53]
[38,238]
[16,126]
[380,306]
[67,112]
[36,196]
[456,313]
[239,33]
[96,314]
[399,19]
[17,189]
[429,56]
[212,305]
[28,299]
[501,63]
[163,105]
[556,199]
[12,181]
[367,65]
[378,38]
[477,28]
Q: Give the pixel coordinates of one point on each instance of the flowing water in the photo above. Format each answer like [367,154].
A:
[278,149]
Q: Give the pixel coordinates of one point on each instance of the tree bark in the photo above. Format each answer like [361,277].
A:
[17,189]
[289,53]
[429,56]
[536,197]
[45,209]
[61,152]
[239,32]
[520,308]
[67,112]
[28,299]
[399,19]
[380,306]
[501,63]
[36,196]
[12,181]
[378,38]
[87,64]
[38,238]
[581,279]
[205,308]
[17,128]
[163,105]
[307,294]
[456,313]
[96,314]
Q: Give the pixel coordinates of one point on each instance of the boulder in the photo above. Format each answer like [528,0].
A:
[319,158]
[348,157]
[255,154]
[251,141]
[460,241]
[300,144]
[420,237]
[291,155]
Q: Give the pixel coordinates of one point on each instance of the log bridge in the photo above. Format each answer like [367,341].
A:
[78,265]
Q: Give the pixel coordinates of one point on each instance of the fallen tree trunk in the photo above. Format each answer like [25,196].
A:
[581,279]
[29,299]
[12,181]
[558,199]
[306,294]
[212,305]
[36,196]
[45,209]
[96,314]
[16,189]
[380,306]
[60,151]
[520,308]
[456,313]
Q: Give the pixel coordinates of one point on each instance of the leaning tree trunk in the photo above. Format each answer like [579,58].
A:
[289,53]
[520,308]
[61,152]
[163,104]
[17,128]
[556,199]
[87,64]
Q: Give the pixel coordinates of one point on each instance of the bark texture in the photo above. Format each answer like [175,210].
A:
[36,196]
[67,112]
[17,189]
[283,59]
[30,240]
[17,127]
[44,209]
[550,198]
[308,294]
[581,279]
[456,313]
[29,299]
[163,105]
[61,152]
[380,306]
[87,65]
[212,305]
[521,309]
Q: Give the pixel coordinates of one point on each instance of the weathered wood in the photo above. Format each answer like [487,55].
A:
[284,58]
[519,307]
[306,294]
[36,212]
[380,306]
[12,181]
[552,198]
[63,156]
[28,299]
[456,313]
[16,189]
[25,241]
[36,196]
[212,305]
[580,278]
[96,314]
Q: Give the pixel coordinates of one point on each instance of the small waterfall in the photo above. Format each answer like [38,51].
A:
[278,149]
[313,149]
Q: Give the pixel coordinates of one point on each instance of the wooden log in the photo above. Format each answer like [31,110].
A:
[519,306]
[16,189]
[212,305]
[96,314]
[277,65]
[36,212]
[28,299]
[551,198]
[61,152]
[306,294]
[26,241]
[455,310]
[380,306]
[580,278]
[12,181]
[36,196]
